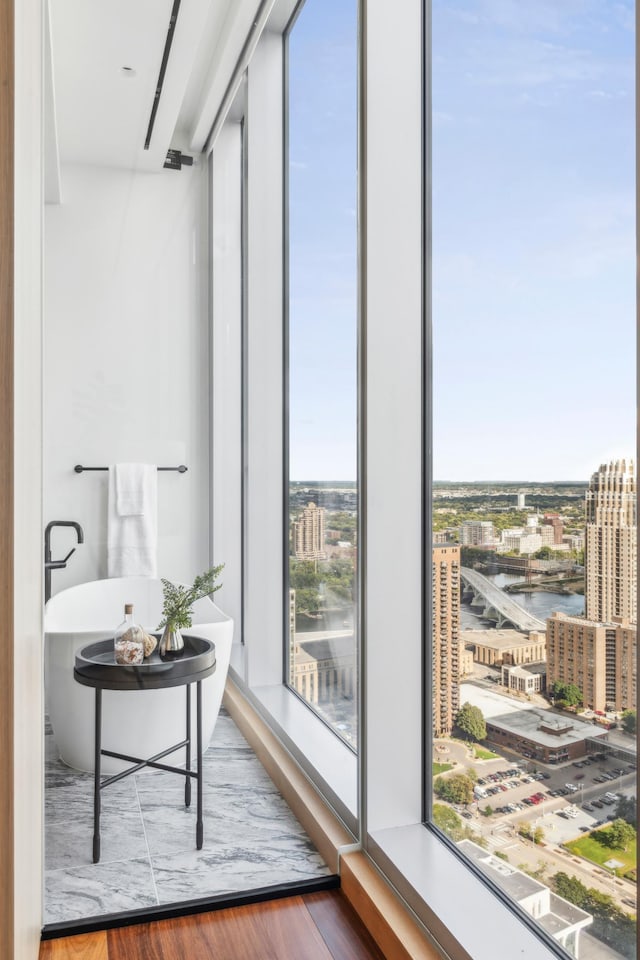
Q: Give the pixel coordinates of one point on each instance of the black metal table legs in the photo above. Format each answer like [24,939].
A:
[187,782]
[139,763]
[96,776]
[199,826]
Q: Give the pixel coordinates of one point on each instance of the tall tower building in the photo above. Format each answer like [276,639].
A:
[611,544]
[446,636]
[599,658]
[597,652]
[308,534]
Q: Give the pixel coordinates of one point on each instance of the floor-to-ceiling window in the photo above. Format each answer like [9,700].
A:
[321,297]
[532,559]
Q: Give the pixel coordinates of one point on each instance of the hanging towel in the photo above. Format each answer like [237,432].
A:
[134,483]
[132,538]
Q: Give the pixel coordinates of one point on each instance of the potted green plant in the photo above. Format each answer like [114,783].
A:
[177,608]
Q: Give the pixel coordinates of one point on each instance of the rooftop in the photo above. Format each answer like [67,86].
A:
[525,669]
[525,719]
[497,639]
[520,887]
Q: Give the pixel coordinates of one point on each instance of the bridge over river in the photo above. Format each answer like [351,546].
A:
[496,604]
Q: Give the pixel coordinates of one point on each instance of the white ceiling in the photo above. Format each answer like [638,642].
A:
[97,113]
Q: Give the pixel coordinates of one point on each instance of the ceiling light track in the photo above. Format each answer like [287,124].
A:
[163,67]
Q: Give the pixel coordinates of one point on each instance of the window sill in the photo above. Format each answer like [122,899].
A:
[463,915]
[328,762]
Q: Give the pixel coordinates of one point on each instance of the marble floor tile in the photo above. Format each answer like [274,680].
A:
[251,837]
[99,889]
[73,798]
[69,843]
[197,873]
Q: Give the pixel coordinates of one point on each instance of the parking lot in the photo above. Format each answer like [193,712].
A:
[523,791]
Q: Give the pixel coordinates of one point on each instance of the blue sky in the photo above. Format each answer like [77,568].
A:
[323,232]
[533,229]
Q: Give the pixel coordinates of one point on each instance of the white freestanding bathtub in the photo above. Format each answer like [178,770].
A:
[137,722]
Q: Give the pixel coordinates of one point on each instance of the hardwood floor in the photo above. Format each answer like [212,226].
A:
[315,926]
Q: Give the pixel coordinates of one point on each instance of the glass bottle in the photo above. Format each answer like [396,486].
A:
[129,639]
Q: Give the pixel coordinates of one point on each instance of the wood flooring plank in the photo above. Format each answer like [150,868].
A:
[342,929]
[275,930]
[85,946]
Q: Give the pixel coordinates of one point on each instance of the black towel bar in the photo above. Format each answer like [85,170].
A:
[80,469]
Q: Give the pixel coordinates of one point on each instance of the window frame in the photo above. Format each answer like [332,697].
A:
[286,321]
[390,804]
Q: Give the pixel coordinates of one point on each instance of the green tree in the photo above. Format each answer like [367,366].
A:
[447,820]
[570,888]
[524,830]
[620,835]
[303,575]
[627,809]
[472,773]
[454,789]
[629,722]
[470,722]
[544,553]
[566,692]
[307,601]
[538,835]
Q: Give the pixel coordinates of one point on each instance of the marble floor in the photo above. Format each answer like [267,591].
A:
[148,857]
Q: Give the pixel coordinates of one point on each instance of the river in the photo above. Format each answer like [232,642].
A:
[539,603]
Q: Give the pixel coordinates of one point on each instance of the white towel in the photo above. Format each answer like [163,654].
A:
[132,539]
[134,482]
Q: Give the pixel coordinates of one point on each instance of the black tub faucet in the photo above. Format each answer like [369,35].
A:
[50,564]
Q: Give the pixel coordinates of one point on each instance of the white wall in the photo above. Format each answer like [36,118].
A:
[126,358]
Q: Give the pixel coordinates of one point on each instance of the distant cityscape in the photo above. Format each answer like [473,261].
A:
[552,689]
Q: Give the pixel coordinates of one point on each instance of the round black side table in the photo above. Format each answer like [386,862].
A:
[95,666]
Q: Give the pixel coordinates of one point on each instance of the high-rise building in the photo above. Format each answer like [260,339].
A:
[446,636]
[477,533]
[598,658]
[611,544]
[554,521]
[597,652]
[307,534]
